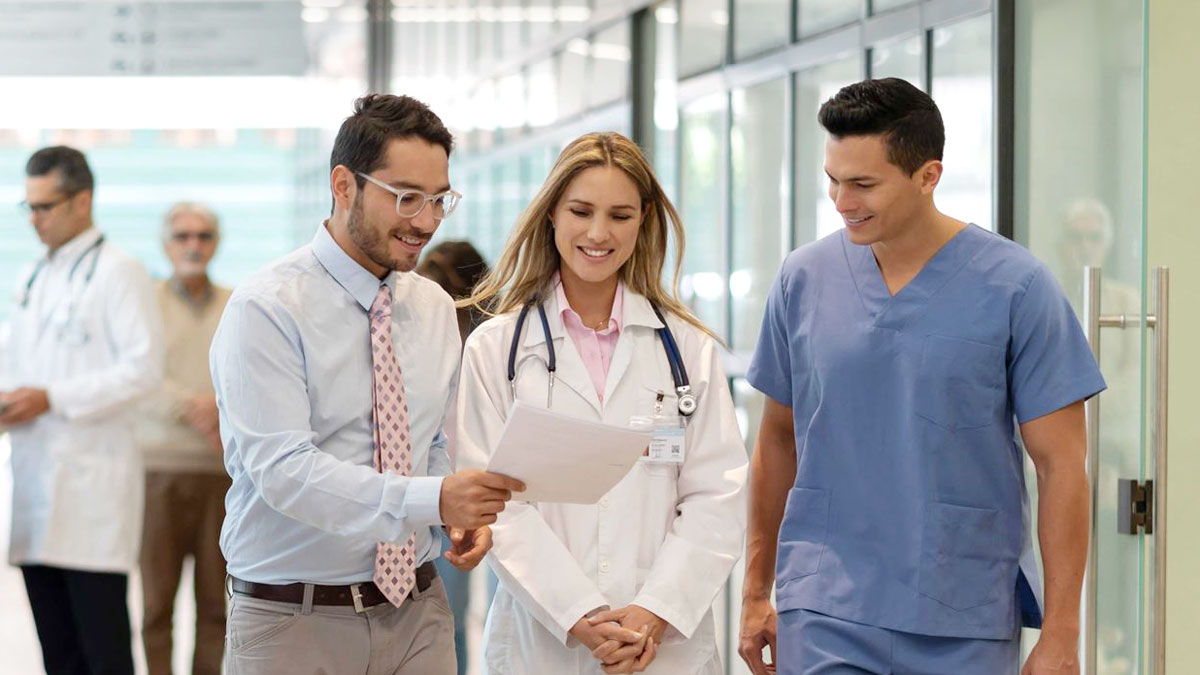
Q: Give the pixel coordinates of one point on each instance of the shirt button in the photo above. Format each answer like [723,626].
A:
[604,501]
[603,565]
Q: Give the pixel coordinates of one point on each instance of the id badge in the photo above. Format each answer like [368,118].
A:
[668,445]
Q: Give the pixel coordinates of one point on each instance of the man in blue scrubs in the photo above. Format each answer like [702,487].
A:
[900,356]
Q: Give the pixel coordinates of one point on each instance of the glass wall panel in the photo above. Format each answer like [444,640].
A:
[666,106]
[485,36]
[510,19]
[572,13]
[540,16]
[1079,162]
[510,105]
[817,16]
[703,27]
[543,93]
[900,58]
[572,78]
[815,215]
[878,6]
[702,198]
[962,87]
[758,204]
[610,53]
[760,25]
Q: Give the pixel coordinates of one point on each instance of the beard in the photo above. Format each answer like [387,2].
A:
[373,244]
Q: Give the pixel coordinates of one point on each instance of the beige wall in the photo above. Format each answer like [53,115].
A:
[1174,240]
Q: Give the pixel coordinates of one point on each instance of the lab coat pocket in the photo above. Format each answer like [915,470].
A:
[963,383]
[961,561]
[802,535]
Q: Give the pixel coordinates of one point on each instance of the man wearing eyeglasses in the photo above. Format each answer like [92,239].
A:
[181,446]
[334,367]
[84,343]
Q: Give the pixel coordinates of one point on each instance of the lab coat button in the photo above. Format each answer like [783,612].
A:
[604,566]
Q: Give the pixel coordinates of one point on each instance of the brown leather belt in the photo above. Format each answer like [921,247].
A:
[361,596]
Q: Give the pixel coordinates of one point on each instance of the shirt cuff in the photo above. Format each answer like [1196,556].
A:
[54,400]
[422,501]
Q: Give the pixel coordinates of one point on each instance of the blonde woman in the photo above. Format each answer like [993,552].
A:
[626,584]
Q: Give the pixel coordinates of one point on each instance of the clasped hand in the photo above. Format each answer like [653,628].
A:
[625,640]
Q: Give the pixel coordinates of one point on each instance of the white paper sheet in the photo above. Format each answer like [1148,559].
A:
[563,459]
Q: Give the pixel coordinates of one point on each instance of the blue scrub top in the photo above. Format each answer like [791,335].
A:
[909,510]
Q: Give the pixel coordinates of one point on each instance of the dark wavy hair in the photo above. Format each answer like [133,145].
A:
[379,118]
[906,117]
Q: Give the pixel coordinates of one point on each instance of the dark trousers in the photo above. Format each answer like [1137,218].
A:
[82,620]
[183,518]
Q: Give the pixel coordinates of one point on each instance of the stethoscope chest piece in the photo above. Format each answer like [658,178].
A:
[687,401]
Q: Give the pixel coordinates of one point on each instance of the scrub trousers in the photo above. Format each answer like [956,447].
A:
[809,643]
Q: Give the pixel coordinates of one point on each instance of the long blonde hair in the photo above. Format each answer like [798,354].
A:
[530,258]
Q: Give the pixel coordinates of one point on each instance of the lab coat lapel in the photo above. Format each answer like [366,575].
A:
[570,369]
[638,316]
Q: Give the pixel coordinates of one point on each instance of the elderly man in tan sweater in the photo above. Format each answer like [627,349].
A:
[185,477]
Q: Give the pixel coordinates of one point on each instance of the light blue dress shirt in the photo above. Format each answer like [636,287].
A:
[291,364]
[910,509]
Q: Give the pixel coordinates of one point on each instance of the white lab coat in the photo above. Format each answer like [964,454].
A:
[665,538]
[77,475]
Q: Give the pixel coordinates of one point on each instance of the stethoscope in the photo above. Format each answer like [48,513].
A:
[72,303]
[683,390]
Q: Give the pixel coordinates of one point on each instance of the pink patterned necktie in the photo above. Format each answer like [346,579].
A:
[395,566]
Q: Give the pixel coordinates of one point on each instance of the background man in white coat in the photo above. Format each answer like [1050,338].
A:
[85,341]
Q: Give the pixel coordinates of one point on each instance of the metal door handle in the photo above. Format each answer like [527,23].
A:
[1158,321]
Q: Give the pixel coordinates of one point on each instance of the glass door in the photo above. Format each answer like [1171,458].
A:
[1080,208]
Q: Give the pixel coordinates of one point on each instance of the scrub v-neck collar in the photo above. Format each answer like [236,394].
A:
[890,311]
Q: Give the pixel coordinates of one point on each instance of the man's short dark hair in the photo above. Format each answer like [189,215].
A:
[74,175]
[378,118]
[905,116]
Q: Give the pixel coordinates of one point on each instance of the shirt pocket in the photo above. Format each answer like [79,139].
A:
[962,564]
[802,535]
[962,383]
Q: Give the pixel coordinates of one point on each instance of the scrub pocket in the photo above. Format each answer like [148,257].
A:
[802,535]
[961,561]
[963,383]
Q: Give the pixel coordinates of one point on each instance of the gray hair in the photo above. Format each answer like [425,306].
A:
[194,208]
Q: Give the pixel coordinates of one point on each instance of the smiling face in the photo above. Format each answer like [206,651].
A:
[379,238]
[596,224]
[878,201]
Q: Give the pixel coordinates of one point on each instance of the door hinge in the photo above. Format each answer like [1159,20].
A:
[1135,506]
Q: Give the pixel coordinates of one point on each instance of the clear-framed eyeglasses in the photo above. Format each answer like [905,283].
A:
[409,203]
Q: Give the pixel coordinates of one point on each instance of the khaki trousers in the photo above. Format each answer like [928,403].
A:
[280,638]
[183,517]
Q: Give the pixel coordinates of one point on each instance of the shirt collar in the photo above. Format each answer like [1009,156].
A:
[358,282]
[74,248]
[568,314]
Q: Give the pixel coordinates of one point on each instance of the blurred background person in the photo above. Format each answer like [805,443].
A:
[456,266]
[181,446]
[85,343]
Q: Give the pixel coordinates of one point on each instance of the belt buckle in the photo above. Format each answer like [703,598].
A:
[356,595]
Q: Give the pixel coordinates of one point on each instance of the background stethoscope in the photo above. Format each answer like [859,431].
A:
[70,327]
[687,400]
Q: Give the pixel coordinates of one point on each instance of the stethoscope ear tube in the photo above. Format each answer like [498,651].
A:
[687,400]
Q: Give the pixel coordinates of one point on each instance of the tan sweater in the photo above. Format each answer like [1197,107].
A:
[167,441]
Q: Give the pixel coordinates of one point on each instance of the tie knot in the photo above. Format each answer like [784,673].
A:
[382,307]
